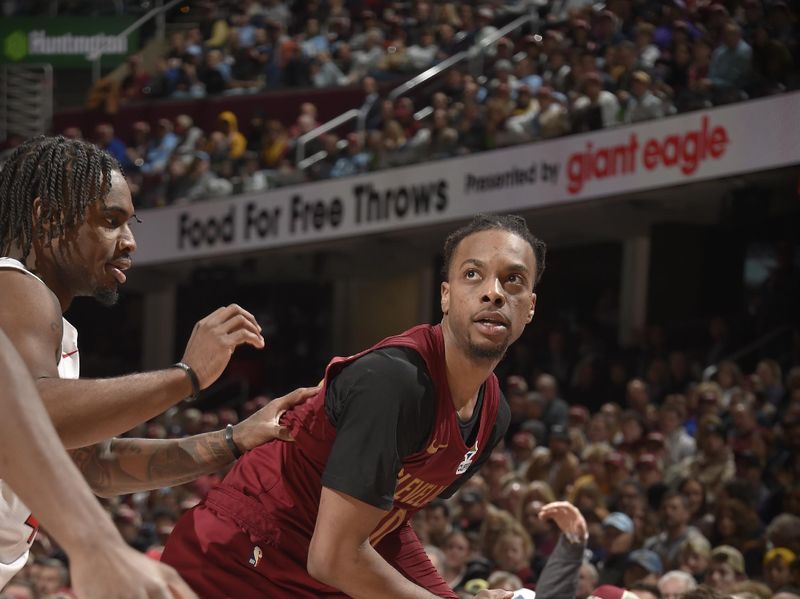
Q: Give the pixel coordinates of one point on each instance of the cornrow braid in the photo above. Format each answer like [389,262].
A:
[67,175]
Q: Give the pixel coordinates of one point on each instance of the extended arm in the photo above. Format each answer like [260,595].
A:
[102,566]
[341,555]
[87,411]
[559,577]
[121,466]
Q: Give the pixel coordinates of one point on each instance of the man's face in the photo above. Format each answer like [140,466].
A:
[436,519]
[488,297]
[721,576]
[49,580]
[91,259]
[675,512]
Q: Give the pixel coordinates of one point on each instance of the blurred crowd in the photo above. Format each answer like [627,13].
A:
[587,66]
[686,473]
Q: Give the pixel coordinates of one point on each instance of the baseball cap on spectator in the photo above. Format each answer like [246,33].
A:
[608,591]
[787,555]
[485,13]
[535,427]
[532,39]
[729,555]
[544,92]
[622,522]
[558,431]
[471,496]
[578,414]
[641,77]
[648,560]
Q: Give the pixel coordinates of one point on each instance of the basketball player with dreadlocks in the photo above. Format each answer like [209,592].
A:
[65,212]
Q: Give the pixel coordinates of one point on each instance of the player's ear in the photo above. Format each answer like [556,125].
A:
[445,297]
[533,308]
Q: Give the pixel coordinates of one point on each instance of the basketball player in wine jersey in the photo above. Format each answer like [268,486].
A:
[393,427]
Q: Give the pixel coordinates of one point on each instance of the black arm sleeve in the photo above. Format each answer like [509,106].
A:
[498,432]
[383,406]
[559,577]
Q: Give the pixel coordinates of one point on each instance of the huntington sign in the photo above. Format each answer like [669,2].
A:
[65,42]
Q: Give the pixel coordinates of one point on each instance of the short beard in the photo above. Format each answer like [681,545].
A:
[487,353]
[107,296]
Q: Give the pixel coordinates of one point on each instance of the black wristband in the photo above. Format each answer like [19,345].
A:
[237,453]
[192,377]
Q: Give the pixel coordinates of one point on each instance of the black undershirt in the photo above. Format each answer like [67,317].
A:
[383,406]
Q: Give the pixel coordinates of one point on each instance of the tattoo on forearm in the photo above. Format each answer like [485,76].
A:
[129,465]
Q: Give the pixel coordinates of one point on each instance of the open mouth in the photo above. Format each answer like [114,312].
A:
[118,268]
[491,323]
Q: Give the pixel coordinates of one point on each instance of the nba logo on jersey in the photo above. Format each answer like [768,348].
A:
[464,466]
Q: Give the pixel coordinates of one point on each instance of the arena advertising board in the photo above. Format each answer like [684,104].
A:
[66,41]
[725,141]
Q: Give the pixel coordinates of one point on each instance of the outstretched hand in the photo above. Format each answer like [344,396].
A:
[264,425]
[215,337]
[568,518]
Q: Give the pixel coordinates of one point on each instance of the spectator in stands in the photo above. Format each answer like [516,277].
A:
[695,557]
[587,580]
[731,65]
[196,182]
[552,119]
[616,544]
[777,568]
[596,108]
[713,465]
[423,54]
[676,529]
[556,410]
[726,568]
[643,104]
[675,583]
[105,138]
[644,565]
[678,444]
[159,148]
[236,143]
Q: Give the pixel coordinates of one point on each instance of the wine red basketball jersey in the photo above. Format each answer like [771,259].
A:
[284,479]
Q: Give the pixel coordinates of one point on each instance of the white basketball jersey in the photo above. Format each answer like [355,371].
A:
[17,524]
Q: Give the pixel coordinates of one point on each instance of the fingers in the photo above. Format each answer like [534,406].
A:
[243,336]
[178,588]
[294,398]
[225,313]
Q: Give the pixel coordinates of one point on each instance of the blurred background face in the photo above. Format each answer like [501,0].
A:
[509,553]
[456,552]
[721,576]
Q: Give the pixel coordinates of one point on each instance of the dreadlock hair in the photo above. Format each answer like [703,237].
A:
[67,175]
[504,222]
